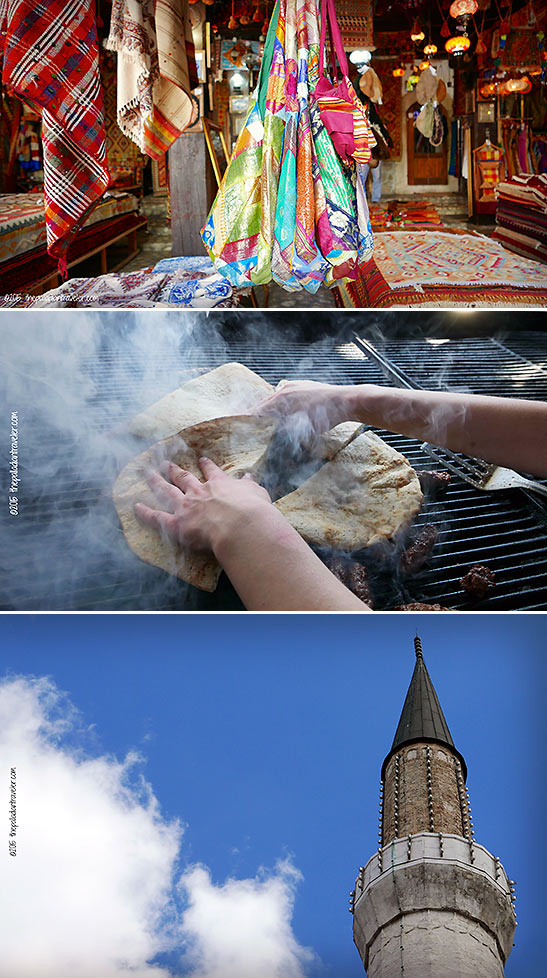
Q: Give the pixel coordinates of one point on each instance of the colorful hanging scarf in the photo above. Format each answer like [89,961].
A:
[296,259]
[50,60]
[156,71]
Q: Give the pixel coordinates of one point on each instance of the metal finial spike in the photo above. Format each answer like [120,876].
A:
[418,647]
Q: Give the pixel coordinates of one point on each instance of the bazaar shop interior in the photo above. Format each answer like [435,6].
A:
[380,154]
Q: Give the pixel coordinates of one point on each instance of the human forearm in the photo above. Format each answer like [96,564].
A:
[270,566]
[273,569]
[502,430]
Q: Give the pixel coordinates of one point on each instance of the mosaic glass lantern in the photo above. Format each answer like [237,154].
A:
[463,8]
[430,50]
[398,72]
[522,85]
[457,45]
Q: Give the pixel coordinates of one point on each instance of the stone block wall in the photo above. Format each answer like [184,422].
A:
[424,792]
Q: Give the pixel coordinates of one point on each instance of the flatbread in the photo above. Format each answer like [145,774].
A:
[237,444]
[230,389]
[331,442]
[364,495]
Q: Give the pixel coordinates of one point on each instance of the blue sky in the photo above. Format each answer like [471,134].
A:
[265,735]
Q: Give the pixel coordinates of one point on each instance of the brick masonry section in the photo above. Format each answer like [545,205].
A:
[421,793]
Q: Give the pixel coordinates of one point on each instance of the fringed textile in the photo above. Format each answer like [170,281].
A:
[50,61]
[156,71]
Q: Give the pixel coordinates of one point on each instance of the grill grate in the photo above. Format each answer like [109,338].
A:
[66,547]
[515,366]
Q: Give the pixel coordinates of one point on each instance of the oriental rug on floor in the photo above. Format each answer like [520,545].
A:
[443,268]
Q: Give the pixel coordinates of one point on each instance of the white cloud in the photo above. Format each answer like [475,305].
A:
[92,890]
[92,875]
[242,929]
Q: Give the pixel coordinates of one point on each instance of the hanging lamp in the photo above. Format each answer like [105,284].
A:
[416,33]
[232,23]
[463,8]
[457,45]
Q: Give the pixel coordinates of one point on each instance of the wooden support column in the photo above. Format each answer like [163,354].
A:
[192,189]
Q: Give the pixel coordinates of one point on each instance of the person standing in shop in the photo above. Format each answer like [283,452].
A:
[368,87]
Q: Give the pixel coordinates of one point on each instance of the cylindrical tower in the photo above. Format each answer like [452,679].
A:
[430,902]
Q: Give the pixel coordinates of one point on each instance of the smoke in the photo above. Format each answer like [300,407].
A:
[75,379]
[93,886]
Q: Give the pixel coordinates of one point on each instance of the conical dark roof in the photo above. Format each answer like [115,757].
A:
[422,718]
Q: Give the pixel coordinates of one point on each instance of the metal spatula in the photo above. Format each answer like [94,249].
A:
[480,474]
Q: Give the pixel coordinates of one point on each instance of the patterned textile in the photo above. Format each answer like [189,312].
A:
[125,161]
[529,190]
[50,60]
[238,233]
[521,215]
[152,39]
[160,176]
[413,213]
[195,263]
[296,258]
[391,108]
[380,217]
[196,282]
[25,270]
[521,49]
[180,285]
[355,21]
[528,222]
[311,230]
[233,55]
[488,166]
[343,113]
[221,101]
[521,244]
[426,258]
[372,291]
[22,220]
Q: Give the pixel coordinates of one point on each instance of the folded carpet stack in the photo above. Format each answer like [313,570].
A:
[397,214]
[521,215]
[413,213]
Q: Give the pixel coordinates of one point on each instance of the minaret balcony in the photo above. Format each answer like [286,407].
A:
[437,882]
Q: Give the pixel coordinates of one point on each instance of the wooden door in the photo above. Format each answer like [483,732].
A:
[426,164]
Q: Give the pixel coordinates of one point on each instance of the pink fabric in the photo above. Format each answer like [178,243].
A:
[523,160]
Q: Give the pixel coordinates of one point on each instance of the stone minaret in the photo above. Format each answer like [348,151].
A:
[431,903]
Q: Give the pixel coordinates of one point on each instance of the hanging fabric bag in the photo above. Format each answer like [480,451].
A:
[341,111]
[274,117]
[235,222]
[344,237]
[297,261]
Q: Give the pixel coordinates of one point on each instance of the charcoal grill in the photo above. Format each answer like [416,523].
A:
[66,551]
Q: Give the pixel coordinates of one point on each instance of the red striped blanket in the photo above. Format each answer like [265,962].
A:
[50,60]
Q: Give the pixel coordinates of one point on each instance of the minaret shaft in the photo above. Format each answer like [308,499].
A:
[431,903]
[424,792]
